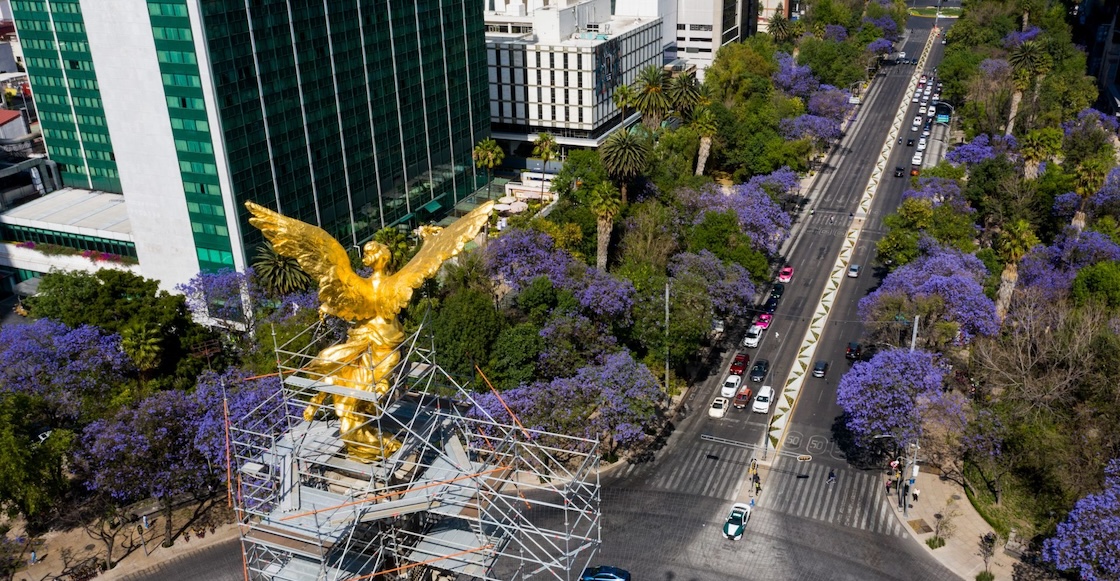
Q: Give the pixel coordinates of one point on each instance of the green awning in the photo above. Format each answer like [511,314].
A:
[432,206]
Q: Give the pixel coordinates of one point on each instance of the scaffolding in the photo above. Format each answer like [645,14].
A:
[467,496]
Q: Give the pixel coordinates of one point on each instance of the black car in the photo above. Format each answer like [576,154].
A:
[760,369]
[909,143]
[898,171]
[777,291]
[820,369]
[854,351]
[605,573]
[770,306]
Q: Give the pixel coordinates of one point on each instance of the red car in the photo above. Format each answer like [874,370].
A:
[785,274]
[739,364]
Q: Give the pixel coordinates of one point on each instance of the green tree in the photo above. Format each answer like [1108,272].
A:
[1089,177]
[705,124]
[1029,62]
[780,28]
[915,218]
[836,63]
[1100,281]
[488,154]
[278,274]
[605,203]
[625,155]
[741,70]
[651,234]
[544,147]
[683,93]
[720,234]
[651,99]
[623,98]
[32,480]
[142,343]
[1037,146]
[1016,239]
[582,169]
[459,350]
[513,360]
[401,249]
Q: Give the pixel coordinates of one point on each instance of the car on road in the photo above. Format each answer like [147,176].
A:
[820,368]
[604,573]
[917,121]
[764,320]
[922,144]
[932,110]
[917,159]
[743,398]
[739,363]
[853,271]
[770,306]
[899,171]
[909,143]
[737,521]
[785,274]
[730,385]
[718,408]
[762,400]
[915,99]
[760,369]
[753,338]
[853,351]
[925,132]
[777,291]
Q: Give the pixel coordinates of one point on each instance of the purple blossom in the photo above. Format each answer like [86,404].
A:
[608,297]
[940,191]
[1090,120]
[1086,541]
[1016,38]
[254,404]
[820,129]
[981,148]
[889,394]
[760,217]
[830,103]
[995,69]
[1051,269]
[835,32]
[880,46]
[1065,205]
[572,340]
[949,274]
[224,295]
[729,286]
[884,23]
[1107,200]
[67,367]
[793,79]
[520,255]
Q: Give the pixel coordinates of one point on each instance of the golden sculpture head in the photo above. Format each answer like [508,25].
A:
[376,256]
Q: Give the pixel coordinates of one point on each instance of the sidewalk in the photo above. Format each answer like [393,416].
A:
[961,553]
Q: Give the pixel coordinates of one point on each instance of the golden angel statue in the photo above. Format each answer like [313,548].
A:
[372,304]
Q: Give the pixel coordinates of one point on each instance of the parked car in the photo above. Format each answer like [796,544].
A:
[743,398]
[785,274]
[922,144]
[730,385]
[737,521]
[753,338]
[770,306]
[853,271]
[916,160]
[820,368]
[739,363]
[762,400]
[718,408]
[854,351]
[777,291]
[604,573]
[764,320]
[760,369]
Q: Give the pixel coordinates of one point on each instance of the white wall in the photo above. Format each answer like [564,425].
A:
[120,41]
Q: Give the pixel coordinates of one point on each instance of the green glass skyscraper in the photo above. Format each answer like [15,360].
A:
[350,114]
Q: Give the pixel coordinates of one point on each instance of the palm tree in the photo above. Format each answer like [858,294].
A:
[605,203]
[651,99]
[780,28]
[624,156]
[279,274]
[1030,63]
[544,147]
[1088,178]
[1038,146]
[488,154]
[683,93]
[142,343]
[705,125]
[1015,241]
[623,98]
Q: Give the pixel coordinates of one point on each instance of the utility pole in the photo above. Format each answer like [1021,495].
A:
[912,482]
[914,334]
[666,337]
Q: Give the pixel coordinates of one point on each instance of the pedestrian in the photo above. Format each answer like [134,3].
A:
[756,479]
[34,557]
[831,476]
[757,487]
[916,492]
[888,484]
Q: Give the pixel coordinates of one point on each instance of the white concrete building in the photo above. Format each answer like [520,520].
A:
[553,68]
[703,26]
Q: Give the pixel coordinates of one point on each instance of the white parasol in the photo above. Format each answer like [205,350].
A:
[518,207]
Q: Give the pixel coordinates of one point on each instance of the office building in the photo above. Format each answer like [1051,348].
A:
[353,115]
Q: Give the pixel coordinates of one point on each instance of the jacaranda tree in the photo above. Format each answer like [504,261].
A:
[888,395]
[1086,542]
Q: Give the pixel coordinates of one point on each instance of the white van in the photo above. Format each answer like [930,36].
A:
[763,399]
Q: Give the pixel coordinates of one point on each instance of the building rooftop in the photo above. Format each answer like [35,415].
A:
[7,116]
[83,212]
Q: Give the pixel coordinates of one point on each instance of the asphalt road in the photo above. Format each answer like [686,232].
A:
[661,520]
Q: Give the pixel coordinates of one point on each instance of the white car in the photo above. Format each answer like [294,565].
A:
[736,521]
[853,271]
[730,385]
[922,144]
[762,400]
[754,337]
[719,408]
[932,111]
[917,121]
[916,160]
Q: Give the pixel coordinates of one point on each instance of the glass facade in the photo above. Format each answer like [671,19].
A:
[17,233]
[352,114]
[61,71]
[182,88]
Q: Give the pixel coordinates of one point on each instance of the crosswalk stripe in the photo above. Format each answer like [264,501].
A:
[854,500]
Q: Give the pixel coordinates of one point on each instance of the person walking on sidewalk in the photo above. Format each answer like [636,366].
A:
[888,484]
[916,493]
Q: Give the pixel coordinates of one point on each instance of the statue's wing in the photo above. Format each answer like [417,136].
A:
[342,292]
[438,247]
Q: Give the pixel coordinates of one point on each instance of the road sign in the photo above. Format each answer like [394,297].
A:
[942,118]
[804,458]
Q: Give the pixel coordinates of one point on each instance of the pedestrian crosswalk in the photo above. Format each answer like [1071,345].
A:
[856,499]
[710,469]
